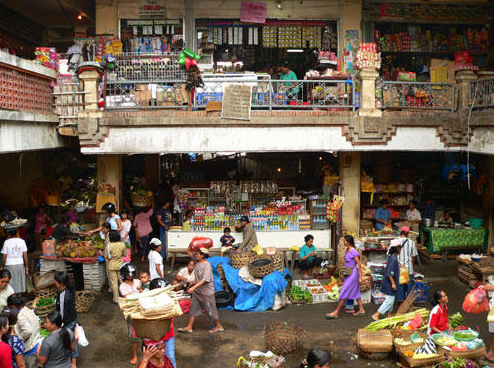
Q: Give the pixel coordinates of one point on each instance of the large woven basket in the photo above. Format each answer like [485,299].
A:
[153,329]
[261,271]
[242,259]
[412,363]
[467,354]
[282,338]
[142,201]
[84,301]
[405,335]
[375,341]
[278,262]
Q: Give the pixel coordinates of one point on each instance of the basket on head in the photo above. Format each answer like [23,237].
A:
[242,259]
[84,301]
[260,266]
[141,201]
[282,338]
[278,262]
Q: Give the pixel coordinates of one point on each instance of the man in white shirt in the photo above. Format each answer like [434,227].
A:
[413,215]
[14,258]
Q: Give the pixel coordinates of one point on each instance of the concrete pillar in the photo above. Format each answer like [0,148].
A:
[350,178]
[368,93]
[90,79]
[109,170]
[190,26]
[489,199]
[463,79]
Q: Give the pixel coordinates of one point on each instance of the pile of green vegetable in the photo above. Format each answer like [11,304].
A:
[456,320]
[43,332]
[393,321]
[45,302]
[297,294]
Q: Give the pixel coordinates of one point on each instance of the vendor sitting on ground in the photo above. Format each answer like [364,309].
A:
[248,233]
[185,277]
[446,218]
[308,259]
[439,319]
[383,215]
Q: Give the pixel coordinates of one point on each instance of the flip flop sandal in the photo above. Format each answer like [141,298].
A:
[359,314]
[134,361]
[328,316]
[350,311]
[184,330]
[213,331]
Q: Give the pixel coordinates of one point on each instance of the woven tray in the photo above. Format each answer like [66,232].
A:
[468,354]
[239,260]
[375,341]
[412,363]
[282,337]
[140,201]
[84,301]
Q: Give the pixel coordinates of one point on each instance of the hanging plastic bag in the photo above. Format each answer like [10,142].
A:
[82,340]
[476,302]
[416,322]
[404,276]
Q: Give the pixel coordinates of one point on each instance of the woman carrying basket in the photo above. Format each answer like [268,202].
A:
[353,276]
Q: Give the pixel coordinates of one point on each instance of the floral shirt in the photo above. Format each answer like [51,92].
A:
[17,346]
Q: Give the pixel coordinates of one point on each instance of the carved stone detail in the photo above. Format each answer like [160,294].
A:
[369,130]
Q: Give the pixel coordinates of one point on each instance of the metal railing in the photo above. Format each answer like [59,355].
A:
[481,93]
[418,95]
[146,81]
[286,94]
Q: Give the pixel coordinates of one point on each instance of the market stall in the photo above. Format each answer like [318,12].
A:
[438,240]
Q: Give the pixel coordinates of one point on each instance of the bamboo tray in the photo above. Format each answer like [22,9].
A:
[468,354]
[375,341]
[413,363]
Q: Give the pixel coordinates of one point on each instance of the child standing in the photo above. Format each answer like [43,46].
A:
[226,240]
[143,225]
[155,259]
[390,282]
[124,234]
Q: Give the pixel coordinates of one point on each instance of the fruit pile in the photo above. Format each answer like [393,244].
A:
[76,249]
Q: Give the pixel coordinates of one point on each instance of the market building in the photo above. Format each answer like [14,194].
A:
[267,109]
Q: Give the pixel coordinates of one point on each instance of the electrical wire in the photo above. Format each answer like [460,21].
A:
[468,132]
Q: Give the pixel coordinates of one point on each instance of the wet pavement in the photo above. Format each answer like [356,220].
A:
[110,348]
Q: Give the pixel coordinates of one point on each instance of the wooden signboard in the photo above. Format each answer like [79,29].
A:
[236,102]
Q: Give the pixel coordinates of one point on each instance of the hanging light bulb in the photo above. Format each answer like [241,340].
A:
[79,17]
[279,4]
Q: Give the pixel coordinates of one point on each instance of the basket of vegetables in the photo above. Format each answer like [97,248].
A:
[408,339]
[42,306]
[411,359]
[142,198]
[299,296]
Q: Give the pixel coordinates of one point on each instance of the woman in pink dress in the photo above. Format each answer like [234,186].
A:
[351,284]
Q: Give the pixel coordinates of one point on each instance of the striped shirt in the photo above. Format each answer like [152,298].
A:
[408,251]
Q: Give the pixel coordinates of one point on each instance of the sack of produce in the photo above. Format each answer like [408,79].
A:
[476,302]
[200,242]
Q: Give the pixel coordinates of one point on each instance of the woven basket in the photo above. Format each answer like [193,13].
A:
[140,201]
[278,262]
[84,301]
[239,260]
[366,284]
[405,335]
[412,363]
[375,341]
[282,338]
[260,271]
[153,329]
[467,354]
[41,311]
[49,292]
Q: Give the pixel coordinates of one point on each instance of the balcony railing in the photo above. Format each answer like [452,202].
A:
[418,95]
[481,93]
[287,94]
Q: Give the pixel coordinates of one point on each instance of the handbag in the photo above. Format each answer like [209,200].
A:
[346,271]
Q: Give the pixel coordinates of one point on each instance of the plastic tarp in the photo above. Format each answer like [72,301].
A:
[250,297]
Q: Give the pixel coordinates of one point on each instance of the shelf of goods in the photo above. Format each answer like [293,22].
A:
[282,239]
[318,214]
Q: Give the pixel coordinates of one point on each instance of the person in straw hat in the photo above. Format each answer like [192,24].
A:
[202,293]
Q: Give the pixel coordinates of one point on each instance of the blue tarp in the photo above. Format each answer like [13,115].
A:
[249,297]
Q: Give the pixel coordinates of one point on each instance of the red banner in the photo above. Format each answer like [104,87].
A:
[253,12]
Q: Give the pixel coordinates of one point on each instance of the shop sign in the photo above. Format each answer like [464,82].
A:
[152,9]
[236,102]
[253,12]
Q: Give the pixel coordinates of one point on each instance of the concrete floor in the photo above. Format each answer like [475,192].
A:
[109,347]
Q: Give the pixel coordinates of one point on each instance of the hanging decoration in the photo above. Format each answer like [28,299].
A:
[188,58]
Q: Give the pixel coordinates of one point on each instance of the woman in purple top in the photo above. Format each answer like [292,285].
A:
[72,214]
[351,284]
